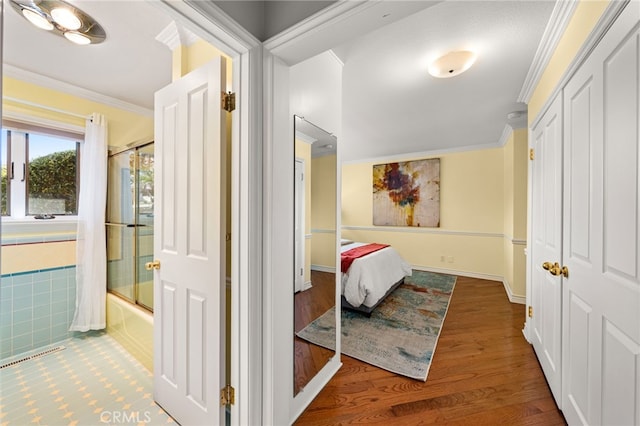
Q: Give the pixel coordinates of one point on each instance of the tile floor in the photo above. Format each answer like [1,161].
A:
[93,381]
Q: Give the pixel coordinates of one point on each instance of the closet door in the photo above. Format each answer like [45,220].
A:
[601,327]
[546,250]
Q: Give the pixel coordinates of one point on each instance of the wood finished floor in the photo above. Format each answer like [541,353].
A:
[309,305]
[483,373]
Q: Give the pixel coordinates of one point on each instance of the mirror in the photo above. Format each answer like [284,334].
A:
[315,166]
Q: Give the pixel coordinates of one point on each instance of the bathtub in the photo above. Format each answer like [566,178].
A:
[132,327]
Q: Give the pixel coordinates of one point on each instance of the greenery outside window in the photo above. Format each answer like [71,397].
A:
[39,171]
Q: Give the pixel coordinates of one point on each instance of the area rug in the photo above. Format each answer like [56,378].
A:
[402,332]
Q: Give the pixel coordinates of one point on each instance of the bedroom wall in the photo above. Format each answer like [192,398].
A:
[470,237]
[515,212]
[582,22]
[323,213]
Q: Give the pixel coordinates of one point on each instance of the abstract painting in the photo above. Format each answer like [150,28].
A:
[407,193]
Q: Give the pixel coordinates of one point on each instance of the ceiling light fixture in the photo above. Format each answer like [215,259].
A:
[37,19]
[61,19]
[66,18]
[452,64]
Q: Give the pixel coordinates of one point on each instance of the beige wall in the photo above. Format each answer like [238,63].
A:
[585,17]
[124,127]
[323,211]
[515,211]
[470,237]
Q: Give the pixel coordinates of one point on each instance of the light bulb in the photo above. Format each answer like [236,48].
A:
[77,38]
[66,18]
[37,19]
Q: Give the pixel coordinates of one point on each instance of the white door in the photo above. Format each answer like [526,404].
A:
[546,288]
[299,225]
[189,287]
[602,231]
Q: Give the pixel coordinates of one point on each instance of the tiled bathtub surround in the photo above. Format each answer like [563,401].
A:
[36,308]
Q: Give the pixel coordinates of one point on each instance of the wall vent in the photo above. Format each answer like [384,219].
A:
[27,358]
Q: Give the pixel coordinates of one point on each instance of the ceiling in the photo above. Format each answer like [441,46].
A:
[391,106]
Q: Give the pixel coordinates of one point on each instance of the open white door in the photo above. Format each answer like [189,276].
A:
[189,286]
[546,288]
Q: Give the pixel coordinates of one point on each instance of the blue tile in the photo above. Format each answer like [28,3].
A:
[42,276]
[22,315]
[58,307]
[22,278]
[6,304]
[22,290]
[5,332]
[59,295]
[59,319]
[21,303]
[59,283]
[59,332]
[42,287]
[41,299]
[22,345]
[6,318]
[42,324]
[22,328]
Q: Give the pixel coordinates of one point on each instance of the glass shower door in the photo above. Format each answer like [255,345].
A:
[130,225]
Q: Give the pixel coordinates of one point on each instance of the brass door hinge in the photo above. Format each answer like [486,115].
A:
[532,154]
[228,101]
[227,395]
[530,311]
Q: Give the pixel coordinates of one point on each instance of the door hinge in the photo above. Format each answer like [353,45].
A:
[530,311]
[532,154]
[227,395]
[228,101]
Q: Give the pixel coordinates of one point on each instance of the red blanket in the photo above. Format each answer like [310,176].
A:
[347,258]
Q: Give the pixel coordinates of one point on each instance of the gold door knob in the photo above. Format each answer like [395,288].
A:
[565,272]
[547,265]
[555,269]
[152,265]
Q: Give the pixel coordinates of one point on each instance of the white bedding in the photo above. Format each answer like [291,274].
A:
[369,277]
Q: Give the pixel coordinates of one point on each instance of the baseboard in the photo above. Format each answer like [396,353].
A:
[321,268]
[512,298]
[306,286]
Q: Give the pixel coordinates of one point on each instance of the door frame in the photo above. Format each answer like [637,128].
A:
[211,24]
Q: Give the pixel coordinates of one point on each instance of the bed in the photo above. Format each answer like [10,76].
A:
[371,278]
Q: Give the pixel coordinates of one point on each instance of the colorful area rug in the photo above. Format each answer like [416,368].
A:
[402,332]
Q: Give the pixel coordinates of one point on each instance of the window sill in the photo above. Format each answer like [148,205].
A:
[28,230]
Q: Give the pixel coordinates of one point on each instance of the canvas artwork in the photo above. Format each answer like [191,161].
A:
[407,193]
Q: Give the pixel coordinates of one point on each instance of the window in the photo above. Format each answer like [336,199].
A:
[39,171]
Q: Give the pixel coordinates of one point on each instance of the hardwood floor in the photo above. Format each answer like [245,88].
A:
[483,372]
[309,305]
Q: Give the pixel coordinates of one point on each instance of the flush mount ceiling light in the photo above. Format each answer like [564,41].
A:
[452,64]
[62,19]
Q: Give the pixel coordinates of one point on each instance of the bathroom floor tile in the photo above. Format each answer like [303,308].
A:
[92,381]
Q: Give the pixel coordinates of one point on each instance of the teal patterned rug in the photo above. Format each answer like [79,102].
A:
[403,330]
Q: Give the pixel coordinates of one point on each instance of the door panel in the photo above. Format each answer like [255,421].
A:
[546,290]
[189,360]
[601,333]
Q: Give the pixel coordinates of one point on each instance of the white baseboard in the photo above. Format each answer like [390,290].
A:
[306,286]
[321,268]
[512,298]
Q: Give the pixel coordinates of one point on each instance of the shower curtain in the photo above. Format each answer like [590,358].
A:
[91,252]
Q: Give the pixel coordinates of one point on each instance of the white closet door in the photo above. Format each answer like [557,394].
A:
[601,330]
[546,289]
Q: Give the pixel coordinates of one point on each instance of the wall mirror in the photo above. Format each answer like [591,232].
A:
[314,291]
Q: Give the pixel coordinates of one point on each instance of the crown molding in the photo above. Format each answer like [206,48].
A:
[60,86]
[173,36]
[506,133]
[556,26]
